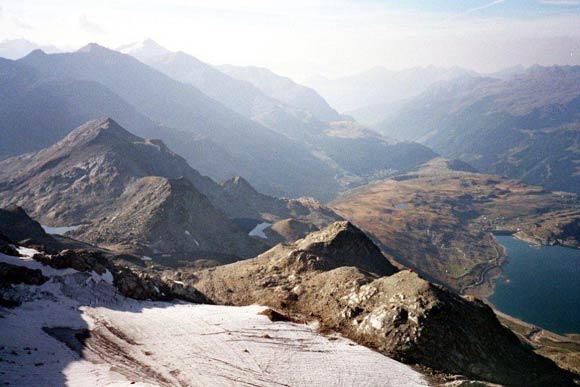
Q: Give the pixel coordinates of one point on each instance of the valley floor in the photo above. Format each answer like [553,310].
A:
[77,330]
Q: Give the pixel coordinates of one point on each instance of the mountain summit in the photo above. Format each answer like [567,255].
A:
[145,50]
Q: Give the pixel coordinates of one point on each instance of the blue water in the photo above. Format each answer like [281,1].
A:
[540,286]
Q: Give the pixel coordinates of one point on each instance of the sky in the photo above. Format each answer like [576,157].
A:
[304,38]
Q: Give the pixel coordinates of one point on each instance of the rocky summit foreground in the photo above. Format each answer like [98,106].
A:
[82,326]
[339,277]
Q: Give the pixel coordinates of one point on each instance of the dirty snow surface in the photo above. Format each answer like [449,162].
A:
[77,330]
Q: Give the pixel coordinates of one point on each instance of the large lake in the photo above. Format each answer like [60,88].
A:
[540,285]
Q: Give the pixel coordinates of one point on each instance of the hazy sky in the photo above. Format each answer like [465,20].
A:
[300,38]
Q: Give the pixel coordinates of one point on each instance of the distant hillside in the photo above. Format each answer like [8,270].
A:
[37,111]
[17,48]
[526,126]
[438,220]
[284,89]
[368,96]
[239,95]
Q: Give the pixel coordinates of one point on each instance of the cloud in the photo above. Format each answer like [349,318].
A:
[560,2]
[482,7]
[90,26]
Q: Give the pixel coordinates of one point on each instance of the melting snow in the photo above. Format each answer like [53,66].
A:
[258,231]
[174,344]
[27,261]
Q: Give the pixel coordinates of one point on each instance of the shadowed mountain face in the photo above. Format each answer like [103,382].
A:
[38,111]
[239,95]
[218,141]
[355,153]
[526,126]
[129,194]
[44,96]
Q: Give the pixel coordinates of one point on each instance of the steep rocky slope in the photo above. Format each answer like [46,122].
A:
[129,158]
[339,277]
[17,226]
[154,215]
[125,192]
[240,200]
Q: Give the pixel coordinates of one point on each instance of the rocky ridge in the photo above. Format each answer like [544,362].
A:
[339,277]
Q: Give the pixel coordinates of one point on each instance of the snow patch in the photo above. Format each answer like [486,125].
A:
[161,343]
[27,261]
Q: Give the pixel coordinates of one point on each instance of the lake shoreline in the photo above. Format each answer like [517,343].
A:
[521,295]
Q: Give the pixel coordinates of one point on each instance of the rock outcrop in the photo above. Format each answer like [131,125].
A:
[13,275]
[17,226]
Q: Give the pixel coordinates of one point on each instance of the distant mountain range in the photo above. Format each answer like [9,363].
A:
[525,125]
[368,96]
[216,140]
[284,89]
[280,149]
[239,95]
[17,48]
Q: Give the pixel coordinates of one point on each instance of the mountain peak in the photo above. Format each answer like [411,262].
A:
[105,130]
[94,48]
[150,43]
[343,244]
[36,53]
[144,50]
[239,185]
